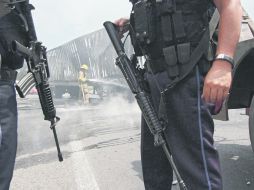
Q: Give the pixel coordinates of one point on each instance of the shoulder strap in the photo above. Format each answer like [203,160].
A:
[214,22]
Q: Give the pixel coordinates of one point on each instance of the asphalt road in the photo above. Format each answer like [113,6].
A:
[100,145]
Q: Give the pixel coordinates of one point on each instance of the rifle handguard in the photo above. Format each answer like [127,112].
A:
[46,99]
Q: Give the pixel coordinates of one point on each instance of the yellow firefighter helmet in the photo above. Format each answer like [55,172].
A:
[84,66]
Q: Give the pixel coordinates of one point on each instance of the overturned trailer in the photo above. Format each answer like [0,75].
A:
[96,52]
[93,50]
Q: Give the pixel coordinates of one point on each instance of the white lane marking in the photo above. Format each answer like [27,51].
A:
[84,177]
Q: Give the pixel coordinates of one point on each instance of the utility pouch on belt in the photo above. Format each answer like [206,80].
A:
[178,23]
[166,8]
[183,51]
[144,22]
[166,28]
[171,61]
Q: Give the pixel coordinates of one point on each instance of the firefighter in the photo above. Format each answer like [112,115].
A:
[83,83]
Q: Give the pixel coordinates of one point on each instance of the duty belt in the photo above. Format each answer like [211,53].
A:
[157,65]
[8,75]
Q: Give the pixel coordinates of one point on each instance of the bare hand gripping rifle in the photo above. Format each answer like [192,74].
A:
[38,70]
[136,83]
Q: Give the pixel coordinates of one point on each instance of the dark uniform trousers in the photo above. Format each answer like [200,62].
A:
[8,132]
[189,134]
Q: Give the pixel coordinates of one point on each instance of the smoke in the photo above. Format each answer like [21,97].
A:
[118,112]
[120,105]
[116,115]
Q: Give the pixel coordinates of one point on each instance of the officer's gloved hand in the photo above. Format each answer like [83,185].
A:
[122,25]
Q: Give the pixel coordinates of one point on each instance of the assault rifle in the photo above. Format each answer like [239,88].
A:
[38,69]
[136,83]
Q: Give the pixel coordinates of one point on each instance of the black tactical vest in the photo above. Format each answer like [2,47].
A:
[168,29]
[11,28]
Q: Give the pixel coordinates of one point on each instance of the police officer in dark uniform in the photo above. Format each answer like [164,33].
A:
[173,35]
[11,28]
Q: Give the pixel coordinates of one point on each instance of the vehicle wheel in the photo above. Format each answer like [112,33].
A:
[251,123]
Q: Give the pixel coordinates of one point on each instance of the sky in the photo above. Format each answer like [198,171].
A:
[59,21]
